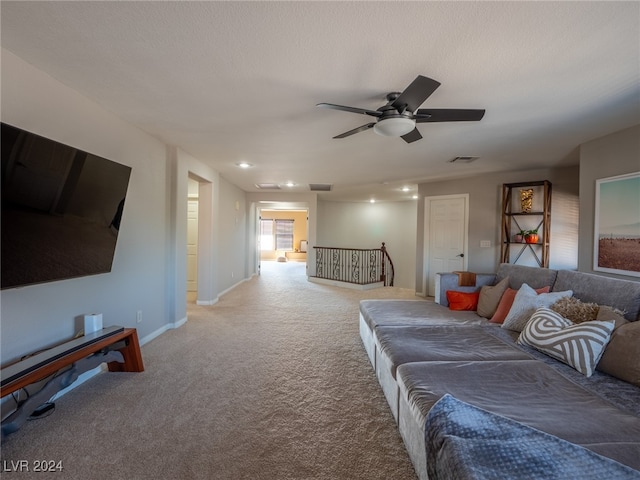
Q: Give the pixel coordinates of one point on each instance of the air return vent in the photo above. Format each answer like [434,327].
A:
[463,159]
[268,186]
[320,187]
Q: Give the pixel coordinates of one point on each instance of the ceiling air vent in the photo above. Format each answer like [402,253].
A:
[268,186]
[320,187]
[463,159]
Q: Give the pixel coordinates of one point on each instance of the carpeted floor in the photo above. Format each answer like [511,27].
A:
[272,382]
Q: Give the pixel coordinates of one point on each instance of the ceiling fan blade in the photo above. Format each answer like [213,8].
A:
[412,136]
[415,94]
[448,115]
[356,130]
[363,111]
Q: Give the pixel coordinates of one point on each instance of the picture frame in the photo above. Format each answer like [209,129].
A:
[616,243]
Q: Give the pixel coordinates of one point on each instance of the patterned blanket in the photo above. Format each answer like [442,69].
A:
[466,442]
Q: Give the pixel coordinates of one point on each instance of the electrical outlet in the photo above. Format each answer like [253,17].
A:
[139,316]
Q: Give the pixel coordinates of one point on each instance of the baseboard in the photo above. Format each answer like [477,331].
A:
[180,322]
[144,340]
[88,375]
[163,329]
[232,287]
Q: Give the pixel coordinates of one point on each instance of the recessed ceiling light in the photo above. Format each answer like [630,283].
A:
[290,184]
[405,189]
[415,197]
[244,165]
[373,200]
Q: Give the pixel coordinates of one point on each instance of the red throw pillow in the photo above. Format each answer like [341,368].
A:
[507,301]
[462,300]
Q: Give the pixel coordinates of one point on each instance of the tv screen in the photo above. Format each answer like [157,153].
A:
[61,210]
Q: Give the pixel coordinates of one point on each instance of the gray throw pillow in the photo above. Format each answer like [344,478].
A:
[527,301]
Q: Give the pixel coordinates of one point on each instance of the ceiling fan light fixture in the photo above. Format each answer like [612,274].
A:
[394,126]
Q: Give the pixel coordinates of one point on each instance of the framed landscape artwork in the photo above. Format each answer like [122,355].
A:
[617,225]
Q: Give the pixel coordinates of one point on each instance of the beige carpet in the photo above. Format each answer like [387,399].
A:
[272,382]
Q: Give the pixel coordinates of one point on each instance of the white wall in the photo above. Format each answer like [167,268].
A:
[38,316]
[609,156]
[222,232]
[232,233]
[485,200]
[367,225]
[149,269]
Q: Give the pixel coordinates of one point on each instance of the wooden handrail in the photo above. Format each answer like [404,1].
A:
[388,258]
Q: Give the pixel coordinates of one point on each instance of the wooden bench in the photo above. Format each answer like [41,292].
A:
[117,346]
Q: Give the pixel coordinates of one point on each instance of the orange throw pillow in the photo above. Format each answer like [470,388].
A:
[462,300]
[507,301]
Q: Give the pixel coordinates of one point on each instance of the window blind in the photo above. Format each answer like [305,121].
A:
[284,234]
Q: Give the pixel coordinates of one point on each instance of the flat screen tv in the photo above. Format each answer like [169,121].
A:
[61,210]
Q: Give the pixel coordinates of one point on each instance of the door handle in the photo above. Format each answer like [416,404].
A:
[461,255]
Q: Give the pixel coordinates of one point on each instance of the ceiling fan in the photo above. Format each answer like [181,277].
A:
[399,116]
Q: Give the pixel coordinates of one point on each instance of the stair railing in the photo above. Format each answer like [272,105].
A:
[361,266]
[387,266]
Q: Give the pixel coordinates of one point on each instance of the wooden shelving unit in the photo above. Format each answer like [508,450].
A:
[513,220]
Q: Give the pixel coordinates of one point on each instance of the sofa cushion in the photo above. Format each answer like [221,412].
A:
[532,276]
[526,302]
[462,300]
[490,296]
[621,358]
[464,441]
[527,391]
[578,345]
[413,312]
[451,281]
[443,342]
[621,294]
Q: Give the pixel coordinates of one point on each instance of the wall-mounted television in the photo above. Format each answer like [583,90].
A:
[61,210]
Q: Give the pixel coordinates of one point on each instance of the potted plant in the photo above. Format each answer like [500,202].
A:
[519,237]
[531,236]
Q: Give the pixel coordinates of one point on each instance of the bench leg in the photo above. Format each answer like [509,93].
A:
[59,382]
[132,356]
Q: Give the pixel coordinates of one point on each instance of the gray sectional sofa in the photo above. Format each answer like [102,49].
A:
[434,363]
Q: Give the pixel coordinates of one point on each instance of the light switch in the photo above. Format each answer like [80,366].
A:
[485,243]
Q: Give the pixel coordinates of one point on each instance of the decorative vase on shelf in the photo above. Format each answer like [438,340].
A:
[531,237]
[526,200]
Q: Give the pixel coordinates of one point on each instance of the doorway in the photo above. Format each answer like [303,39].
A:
[282,235]
[192,240]
[445,237]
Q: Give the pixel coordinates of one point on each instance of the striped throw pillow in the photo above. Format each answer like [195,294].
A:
[578,345]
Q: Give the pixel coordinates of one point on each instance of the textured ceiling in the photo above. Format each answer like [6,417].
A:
[239,81]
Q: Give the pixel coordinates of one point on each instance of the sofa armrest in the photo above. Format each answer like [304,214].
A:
[449,281]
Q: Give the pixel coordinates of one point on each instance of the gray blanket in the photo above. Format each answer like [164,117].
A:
[466,442]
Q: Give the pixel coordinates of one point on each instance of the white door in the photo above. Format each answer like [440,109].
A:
[445,236]
[192,249]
